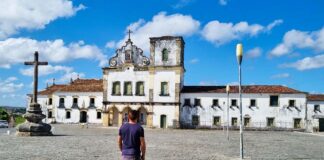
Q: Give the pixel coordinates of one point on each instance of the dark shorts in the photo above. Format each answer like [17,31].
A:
[126,157]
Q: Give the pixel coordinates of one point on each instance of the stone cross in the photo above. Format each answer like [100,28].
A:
[34,125]
[35,63]
[129,32]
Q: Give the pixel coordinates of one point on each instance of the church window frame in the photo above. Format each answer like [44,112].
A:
[216,121]
[234,103]
[50,101]
[75,100]
[291,103]
[164,89]
[61,102]
[116,88]
[128,88]
[68,115]
[270,122]
[195,120]
[165,55]
[92,102]
[99,115]
[140,88]
[234,121]
[317,108]
[50,114]
[274,101]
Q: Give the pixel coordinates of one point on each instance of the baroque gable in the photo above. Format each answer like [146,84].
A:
[129,54]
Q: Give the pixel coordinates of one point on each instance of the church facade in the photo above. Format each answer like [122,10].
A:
[149,84]
[154,86]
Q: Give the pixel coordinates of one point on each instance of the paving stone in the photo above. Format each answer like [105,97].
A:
[99,143]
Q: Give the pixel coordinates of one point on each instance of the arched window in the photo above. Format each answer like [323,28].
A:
[61,103]
[116,88]
[165,55]
[140,88]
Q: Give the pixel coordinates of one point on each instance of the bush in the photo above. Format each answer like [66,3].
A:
[3,114]
[19,120]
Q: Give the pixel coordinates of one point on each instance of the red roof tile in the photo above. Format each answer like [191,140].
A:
[51,89]
[315,97]
[245,89]
[78,85]
[84,85]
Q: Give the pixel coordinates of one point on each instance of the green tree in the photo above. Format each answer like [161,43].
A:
[4,114]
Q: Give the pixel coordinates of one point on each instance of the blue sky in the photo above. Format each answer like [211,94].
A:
[283,40]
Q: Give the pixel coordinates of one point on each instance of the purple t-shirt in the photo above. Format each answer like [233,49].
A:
[130,134]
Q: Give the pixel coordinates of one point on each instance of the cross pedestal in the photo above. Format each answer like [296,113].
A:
[34,125]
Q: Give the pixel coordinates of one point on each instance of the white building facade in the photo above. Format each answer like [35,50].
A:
[154,86]
[315,112]
[264,107]
[151,85]
[77,102]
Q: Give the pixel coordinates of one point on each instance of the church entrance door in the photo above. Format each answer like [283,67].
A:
[83,117]
[163,119]
[321,124]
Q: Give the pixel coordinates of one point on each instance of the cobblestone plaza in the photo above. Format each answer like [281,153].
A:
[75,142]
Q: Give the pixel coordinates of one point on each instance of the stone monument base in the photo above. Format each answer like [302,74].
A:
[34,129]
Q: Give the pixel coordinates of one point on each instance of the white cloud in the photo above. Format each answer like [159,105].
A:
[9,85]
[273,24]
[4,96]
[254,53]
[307,63]
[68,75]
[25,14]
[222,2]
[182,3]
[111,44]
[295,39]
[194,61]
[161,25]
[220,33]
[18,50]
[282,75]
[46,70]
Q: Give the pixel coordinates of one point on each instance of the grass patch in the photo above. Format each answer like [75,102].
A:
[19,120]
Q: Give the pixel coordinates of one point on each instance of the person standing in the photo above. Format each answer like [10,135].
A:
[131,140]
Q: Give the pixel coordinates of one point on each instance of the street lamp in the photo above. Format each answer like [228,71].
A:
[227,91]
[239,56]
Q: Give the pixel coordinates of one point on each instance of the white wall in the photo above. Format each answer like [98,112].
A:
[132,76]
[258,115]
[172,48]
[313,116]
[164,76]
[168,110]
[59,115]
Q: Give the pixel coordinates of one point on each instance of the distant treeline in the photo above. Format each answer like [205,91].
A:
[12,115]
[14,110]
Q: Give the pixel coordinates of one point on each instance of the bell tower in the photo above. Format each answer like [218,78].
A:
[167,51]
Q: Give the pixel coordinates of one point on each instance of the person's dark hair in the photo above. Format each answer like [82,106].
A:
[133,115]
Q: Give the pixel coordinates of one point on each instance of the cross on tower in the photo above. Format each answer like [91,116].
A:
[129,32]
[35,63]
